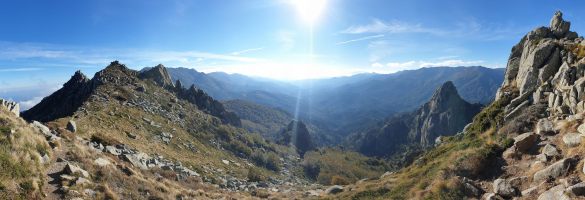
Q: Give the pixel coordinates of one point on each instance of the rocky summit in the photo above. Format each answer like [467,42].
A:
[10,106]
[445,114]
[159,75]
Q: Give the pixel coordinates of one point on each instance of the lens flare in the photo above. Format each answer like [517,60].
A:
[310,10]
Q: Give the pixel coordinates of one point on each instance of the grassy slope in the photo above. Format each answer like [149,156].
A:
[110,121]
[21,173]
[337,167]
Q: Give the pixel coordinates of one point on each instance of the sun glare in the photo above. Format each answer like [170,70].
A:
[310,10]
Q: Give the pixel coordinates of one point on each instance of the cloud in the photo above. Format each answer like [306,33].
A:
[51,55]
[468,28]
[25,69]
[237,53]
[361,39]
[395,26]
[25,105]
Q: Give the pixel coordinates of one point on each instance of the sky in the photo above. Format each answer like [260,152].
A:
[42,43]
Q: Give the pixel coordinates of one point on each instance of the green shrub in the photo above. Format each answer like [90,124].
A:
[254,175]
[10,168]
[338,180]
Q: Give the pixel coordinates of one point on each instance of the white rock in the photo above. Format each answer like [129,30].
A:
[225,162]
[550,151]
[504,188]
[555,193]
[572,139]
[73,169]
[101,162]
[525,142]
[555,170]
[544,127]
[581,128]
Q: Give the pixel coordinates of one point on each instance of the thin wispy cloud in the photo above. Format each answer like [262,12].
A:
[361,39]
[394,26]
[81,56]
[20,69]
[237,53]
[468,28]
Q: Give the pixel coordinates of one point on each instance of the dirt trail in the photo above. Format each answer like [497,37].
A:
[52,182]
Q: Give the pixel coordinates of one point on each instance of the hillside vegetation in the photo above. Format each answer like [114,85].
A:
[23,154]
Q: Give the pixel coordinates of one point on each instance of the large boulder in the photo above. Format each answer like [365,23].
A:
[555,193]
[549,150]
[74,169]
[555,170]
[42,128]
[525,142]
[577,189]
[504,188]
[572,139]
[544,127]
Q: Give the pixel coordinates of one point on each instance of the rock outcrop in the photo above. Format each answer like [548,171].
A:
[65,101]
[445,114]
[11,106]
[297,134]
[159,75]
[206,103]
[546,67]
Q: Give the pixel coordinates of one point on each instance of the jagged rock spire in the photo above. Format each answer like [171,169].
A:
[159,75]
[559,26]
[10,106]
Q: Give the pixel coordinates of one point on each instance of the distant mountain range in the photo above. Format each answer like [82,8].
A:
[343,105]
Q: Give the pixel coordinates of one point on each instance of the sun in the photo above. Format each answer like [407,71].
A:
[309,10]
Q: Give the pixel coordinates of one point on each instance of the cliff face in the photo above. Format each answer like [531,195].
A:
[65,101]
[547,67]
[446,113]
[159,75]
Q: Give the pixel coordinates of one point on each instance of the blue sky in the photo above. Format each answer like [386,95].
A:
[42,43]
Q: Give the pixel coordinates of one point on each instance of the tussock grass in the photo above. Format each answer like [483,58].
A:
[21,147]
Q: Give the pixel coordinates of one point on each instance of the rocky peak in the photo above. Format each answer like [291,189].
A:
[77,79]
[559,26]
[159,75]
[546,67]
[446,95]
[10,106]
[445,114]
